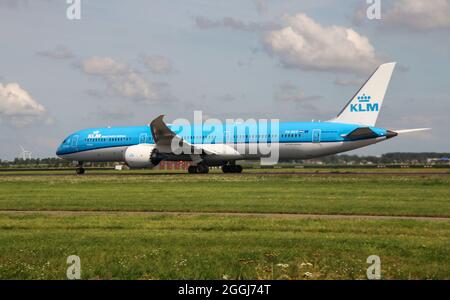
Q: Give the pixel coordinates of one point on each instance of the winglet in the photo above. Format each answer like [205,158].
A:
[160,130]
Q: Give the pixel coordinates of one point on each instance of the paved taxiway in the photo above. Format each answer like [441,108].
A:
[337,173]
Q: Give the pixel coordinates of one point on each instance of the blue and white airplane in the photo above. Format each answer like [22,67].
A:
[146,146]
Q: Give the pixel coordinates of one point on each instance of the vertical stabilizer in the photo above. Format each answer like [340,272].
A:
[364,107]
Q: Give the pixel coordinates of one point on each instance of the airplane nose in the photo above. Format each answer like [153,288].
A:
[58,151]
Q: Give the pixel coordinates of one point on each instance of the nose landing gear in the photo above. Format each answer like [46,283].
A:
[80,169]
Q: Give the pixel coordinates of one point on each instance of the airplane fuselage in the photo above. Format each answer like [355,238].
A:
[295,140]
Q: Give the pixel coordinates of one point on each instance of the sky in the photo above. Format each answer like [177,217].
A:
[123,63]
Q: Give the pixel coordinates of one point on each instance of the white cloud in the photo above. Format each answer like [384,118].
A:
[59,52]
[308,45]
[419,14]
[235,24]
[157,64]
[18,108]
[104,66]
[122,80]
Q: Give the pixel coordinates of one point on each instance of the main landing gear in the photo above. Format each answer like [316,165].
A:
[200,168]
[232,168]
[80,169]
[203,168]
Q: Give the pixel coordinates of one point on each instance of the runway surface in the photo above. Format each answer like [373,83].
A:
[337,173]
[221,214]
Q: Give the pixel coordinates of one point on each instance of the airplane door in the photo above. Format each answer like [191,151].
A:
[316,136]
[142,138]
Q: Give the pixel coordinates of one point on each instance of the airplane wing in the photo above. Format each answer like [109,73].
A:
[167,141]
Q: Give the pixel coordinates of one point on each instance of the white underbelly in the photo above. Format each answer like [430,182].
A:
[311,150]
[302,150]
[100,155]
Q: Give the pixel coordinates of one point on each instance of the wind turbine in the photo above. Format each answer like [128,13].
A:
[25,154]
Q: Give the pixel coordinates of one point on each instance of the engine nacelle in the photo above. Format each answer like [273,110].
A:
[139,156]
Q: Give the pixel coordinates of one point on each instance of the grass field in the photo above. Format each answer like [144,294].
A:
[426,195]
[217,170]
[113,243]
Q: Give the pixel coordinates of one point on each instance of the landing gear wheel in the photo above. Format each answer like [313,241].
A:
[202,169]
[192,169]
[155,157]
[80,169]
[232,168]
[226,168]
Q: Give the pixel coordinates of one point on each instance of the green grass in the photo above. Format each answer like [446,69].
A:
[423,195]
[124,246]
[217,170]
[205,247]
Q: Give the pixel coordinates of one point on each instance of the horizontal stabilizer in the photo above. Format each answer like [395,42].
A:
[361,133]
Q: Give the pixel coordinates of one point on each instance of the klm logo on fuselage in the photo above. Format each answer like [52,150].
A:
[364,105]
[94,135]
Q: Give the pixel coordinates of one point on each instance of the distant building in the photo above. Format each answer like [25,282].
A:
[441,160]
[174,165]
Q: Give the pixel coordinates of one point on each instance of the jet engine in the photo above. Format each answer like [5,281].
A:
[142,156]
